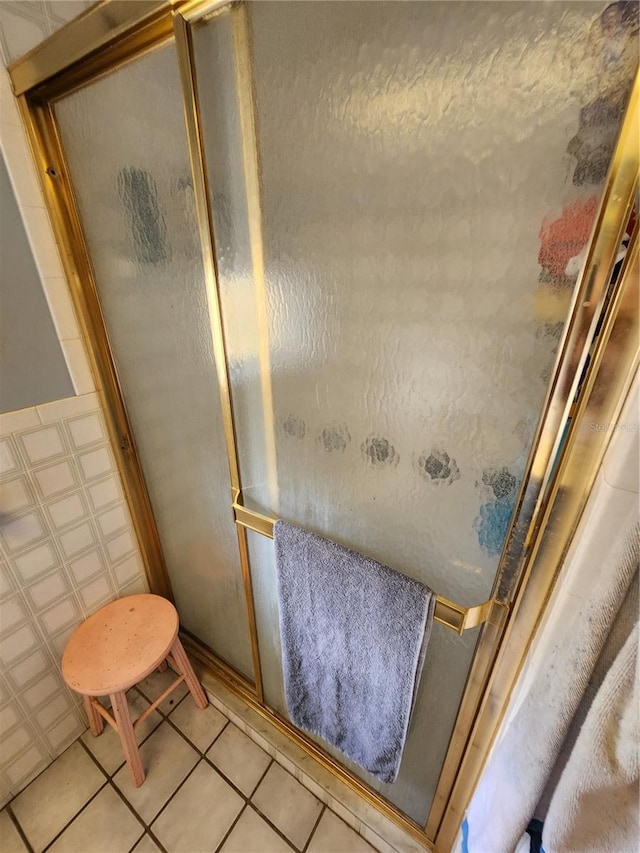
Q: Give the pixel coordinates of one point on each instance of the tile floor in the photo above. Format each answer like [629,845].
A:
[208,788]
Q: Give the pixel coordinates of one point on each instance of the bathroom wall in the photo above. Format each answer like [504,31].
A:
[67,544]
[33,369]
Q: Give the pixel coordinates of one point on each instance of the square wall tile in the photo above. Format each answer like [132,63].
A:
[64,732]
[120,546]
[19,420]
[78,539]
[128,570]
[88,566]
[27,670]
[105,492]
[67,510]
[96,463]
[10,715]
[9,459]
[16,494]
[58,706]
[48,590]
[113,521]
[38,445]
[96,593]
[55,479]
[7,582]
[17,644]
[23,530]
[68,407]
[15,742]
[86,430]
[65,614]
[13,612]
[21,771]
[35,562]
[41,691]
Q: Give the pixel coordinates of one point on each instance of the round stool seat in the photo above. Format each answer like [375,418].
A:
[120,645]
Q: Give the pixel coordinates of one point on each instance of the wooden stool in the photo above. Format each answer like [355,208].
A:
[117,647]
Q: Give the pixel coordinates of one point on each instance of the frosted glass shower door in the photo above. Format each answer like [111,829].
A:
[125,143]
[400,193]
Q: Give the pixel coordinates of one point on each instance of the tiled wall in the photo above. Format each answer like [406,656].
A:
[67,548]
[66,542]
[26,23]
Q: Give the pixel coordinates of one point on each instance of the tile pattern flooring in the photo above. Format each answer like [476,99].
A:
[208,788]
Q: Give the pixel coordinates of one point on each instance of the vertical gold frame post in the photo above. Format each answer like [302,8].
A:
[184,48]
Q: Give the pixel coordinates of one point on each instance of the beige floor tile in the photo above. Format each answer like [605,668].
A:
[157,683]
[146,845]
[239,758]
[200,814]
[201,726]
[167,759]
[56,795]
[288,805]
[252,834]
[105,826]
[10,841]
[107,747]
[334,836]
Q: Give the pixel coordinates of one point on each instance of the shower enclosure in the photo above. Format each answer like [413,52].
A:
[344,264]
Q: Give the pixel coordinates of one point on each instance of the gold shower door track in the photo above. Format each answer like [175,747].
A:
[601,331]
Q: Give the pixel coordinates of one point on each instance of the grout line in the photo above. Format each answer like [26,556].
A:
[19,829]
[232,827]
[315,826]
[79,812]
[114,787]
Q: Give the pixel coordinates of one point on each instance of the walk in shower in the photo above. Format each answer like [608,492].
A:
[330,257]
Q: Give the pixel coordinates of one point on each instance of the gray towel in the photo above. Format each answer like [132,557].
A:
[354,635]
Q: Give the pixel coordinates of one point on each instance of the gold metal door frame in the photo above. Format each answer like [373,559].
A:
[554,490]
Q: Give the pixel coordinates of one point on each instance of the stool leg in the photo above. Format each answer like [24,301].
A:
[163,666]
[184,665]
[96,722]
[127,736]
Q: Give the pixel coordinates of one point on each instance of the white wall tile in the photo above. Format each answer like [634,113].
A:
[68,407]
[16,421]
[18,643]
[12,613]
[61,307]
[113,521]
[86,430]
[10,715]
[128,570]
[41,444]
[67,510]
[78,364]
[27,670]
[21,168]
[65,732]
[7,583]
[54,479]
[16,494]
[77,539]
[30,763]
[23,530]
[55,708]
[96,593]
[62,615]
[8,108]
[35,562]
[45,592]
[121,545]
[96,463]
[10,461]
[105,493]
[87,566]
[16,742]
[41,691]
[43,244]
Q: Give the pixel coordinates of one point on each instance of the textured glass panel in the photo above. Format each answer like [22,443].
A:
[124,138]
[429,174]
